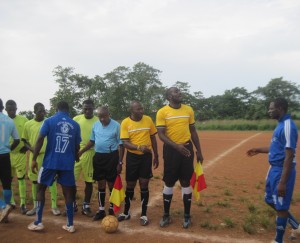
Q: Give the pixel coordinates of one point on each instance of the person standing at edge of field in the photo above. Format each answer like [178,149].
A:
[85,164]
[176,128]
[107,161]
[63,139]
[281,175]
[29,137]
[18,156]
[7,130]
[138,136]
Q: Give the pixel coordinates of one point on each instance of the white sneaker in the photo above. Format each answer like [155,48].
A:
[274,241]
[55,211]
[5,212]
[70,228]
[31,212]
[36,227]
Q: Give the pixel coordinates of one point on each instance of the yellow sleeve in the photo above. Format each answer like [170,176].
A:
[160,119]
[124,130]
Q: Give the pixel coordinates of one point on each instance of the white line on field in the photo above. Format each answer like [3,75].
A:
[211,162]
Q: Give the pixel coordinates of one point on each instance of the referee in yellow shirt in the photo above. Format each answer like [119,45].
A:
[138,137]
[176,128]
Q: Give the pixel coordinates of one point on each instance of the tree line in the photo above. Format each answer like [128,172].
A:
[142,82]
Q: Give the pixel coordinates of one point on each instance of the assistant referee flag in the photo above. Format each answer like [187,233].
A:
[198,181]
[117,195]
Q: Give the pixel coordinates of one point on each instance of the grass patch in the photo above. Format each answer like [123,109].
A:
[227,192]
[224,204]
[229,222]
[208,225]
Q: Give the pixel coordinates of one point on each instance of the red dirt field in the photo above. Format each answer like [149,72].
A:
[232,204]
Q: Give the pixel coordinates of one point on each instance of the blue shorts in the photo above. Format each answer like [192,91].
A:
[64,177]
[271,196]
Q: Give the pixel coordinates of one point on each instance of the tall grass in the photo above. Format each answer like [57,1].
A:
[239,125]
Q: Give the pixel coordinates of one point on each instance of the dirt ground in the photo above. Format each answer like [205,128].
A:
[231,209]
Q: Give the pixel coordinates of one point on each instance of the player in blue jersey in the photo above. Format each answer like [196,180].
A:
[281,176]
[63,139]
[7,130]
[107,161]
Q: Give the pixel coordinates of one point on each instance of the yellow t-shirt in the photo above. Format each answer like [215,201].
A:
[31,132]
[86,126]
[19,123]
[176,122]
[138,132]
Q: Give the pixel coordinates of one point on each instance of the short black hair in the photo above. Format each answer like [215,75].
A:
[88,102]
[1,105]
[10,102]
[62,106]
[37,105]
[281,102]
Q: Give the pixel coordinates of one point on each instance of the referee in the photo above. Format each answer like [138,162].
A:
[138,136]
[176,128]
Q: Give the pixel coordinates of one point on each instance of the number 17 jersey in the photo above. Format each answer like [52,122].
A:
[63,135]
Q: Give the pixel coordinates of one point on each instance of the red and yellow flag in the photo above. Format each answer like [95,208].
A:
[198,181]
[117,195]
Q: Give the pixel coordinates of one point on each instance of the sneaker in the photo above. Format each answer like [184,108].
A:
[144,220]
[70,228]
[5,212]
[165,221]
[111,211]
[31,212]
[295,234]
[123,216]
[23,209]
[87,212]
[186,222]
[55,211]
[99,215]
[36,227]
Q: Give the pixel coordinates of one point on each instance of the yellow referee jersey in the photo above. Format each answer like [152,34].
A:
[138,132]
[176,122]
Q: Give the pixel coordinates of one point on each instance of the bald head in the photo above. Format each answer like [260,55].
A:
[103,115]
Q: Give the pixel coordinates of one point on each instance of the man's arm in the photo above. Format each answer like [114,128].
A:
[155,151]
[143,148]
[36,151]
[179,147]
[287,167]
[89,145]
[121,155]
[196,142]
[14,144]
[255,151]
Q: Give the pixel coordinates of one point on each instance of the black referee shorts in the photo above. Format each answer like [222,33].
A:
[138,166]
[105,166]
[176,165]
[5,171]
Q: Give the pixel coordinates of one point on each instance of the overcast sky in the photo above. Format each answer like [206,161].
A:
[214,45]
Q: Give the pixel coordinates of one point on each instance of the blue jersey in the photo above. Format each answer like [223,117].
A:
[7,130]
[63,136]
[284,136]
[106,138]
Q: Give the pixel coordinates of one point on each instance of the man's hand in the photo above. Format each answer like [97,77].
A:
[281,189]
[145,149]
[34,167]
[183,150]
[119,168]
[23,150]
[252,152]
[199,157]
[155,162]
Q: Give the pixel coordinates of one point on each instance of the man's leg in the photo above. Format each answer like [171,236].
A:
[37,224]
[68,192]
[167,198]
[129,193]
[22,192]
[53,193]
[144,185]
[111,205]
[187,200]
[101,200]
[87,199]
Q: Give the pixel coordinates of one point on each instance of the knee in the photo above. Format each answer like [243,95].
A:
[184,183]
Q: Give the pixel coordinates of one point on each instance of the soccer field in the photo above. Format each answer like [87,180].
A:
[231,209]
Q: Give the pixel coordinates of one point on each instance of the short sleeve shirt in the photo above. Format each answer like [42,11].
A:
[138,132]
[285,136]
[176,122]
[106,138]
[63,135]
[7,130]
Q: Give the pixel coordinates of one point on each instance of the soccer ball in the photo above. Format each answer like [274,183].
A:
[110,224]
